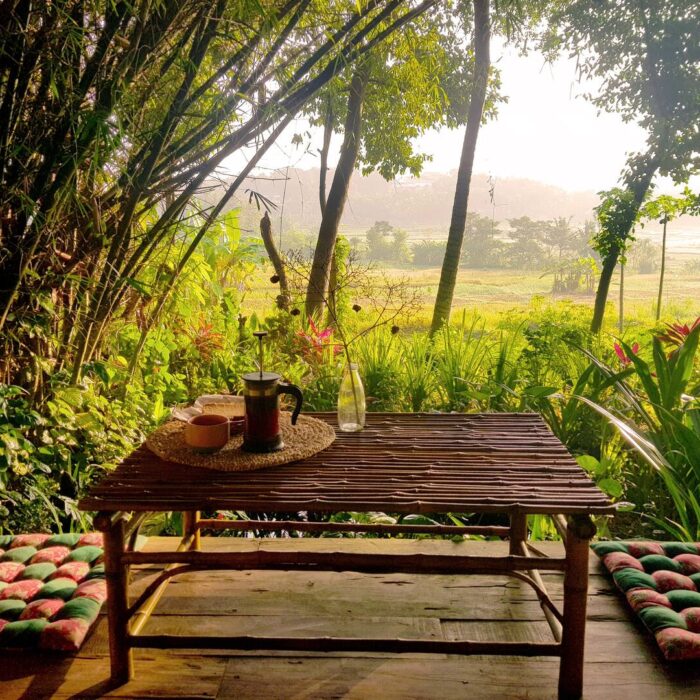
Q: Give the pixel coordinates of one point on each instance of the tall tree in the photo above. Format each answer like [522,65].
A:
[455,236]
[337,195]
[644,54]
[665,209]
[411,83]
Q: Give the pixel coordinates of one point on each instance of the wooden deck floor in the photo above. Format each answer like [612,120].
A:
[621,659]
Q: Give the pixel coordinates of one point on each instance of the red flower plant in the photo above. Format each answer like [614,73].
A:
[621,353]
[677,333]
[316,340]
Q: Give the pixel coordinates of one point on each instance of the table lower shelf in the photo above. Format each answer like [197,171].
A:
[429,557]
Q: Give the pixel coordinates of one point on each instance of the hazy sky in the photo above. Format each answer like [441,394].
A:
[547,131]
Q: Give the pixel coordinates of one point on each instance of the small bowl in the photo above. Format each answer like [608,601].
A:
[207,433]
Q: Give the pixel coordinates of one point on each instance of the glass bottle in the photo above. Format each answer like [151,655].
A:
[351,401]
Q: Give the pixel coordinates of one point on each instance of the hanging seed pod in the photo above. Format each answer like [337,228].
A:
[295,312]
[395,330]
[275,279]
[356,308]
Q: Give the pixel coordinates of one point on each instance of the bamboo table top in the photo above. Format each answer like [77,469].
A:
[400,463]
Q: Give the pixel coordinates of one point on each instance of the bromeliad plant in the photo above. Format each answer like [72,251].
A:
[663,423]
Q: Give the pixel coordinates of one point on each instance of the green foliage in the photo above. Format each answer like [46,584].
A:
[617,209]
[387,244]
[50,455]
[644,55]
[428,253]
[661,423]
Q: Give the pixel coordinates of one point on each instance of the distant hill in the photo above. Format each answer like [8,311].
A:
[422,205]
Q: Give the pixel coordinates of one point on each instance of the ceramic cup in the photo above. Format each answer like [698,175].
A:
[207,433]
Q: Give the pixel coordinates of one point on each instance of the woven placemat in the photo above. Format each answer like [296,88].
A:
[306,438]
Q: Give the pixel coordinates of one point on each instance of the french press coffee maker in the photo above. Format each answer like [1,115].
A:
[262,411]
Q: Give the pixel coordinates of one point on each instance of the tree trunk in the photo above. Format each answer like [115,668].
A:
[328,231]
[455,237]
[327,134]
[662,272]
[621,321]
[276,260]
[638,183]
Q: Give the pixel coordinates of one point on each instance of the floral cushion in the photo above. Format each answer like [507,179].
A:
[51,589]
[661,581]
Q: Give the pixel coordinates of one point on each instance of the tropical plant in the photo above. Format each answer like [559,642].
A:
[663,424]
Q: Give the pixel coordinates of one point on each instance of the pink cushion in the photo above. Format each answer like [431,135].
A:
[94,588]
[640,598]
[641,549]
[55,614]
[44,607]
[93,539]
[671,581]
[690,563]
[678,644]
[665,592]
[22,590]
[10,570]
[32,540]
[692,618]
[55,555]
[76,570]
[621,560]
[64,635]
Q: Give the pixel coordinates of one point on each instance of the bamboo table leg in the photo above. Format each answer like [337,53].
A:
[579,531]
[116,573]
[518,532]
[189,527]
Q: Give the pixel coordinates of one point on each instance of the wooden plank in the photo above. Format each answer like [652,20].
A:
[158,674]
[411,677]
[296,626]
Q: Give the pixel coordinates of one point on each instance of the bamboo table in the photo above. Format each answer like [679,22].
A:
[400,463]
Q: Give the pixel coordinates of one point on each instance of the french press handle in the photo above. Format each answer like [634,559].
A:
[295,391]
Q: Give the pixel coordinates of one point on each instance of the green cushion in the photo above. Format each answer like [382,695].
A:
[673,549]
[24,633]
[19,555]
[48,609]
[68,540]
[82,608]
[603,548]
[88,554]
[58,588]
[655,562]
[681,599]
[11,609]
[631,578]
[98,571]
[658,618]
[39,571]
[665,595]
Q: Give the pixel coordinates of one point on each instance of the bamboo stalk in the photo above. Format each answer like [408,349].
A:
[343,561]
